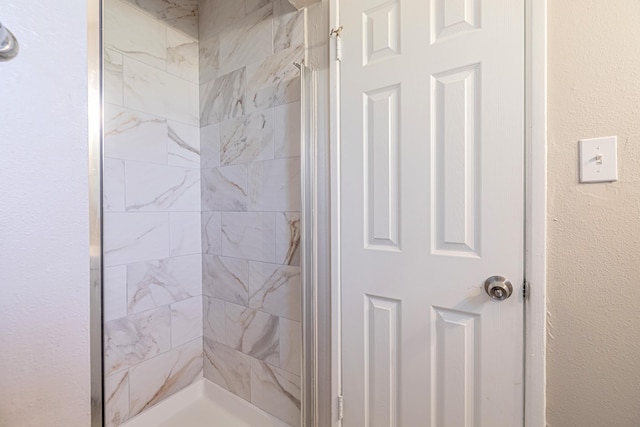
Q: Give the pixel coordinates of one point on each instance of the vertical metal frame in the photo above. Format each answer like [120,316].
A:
[94,128]
[309,241]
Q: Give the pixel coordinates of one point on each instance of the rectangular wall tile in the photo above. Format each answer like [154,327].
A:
[286,130]
[223,98]
[133,237]
[228,368]
[132,135]
[113,84]
[291,346]
[131,31]
[274,81]
[185,233]
[248,40]
[217,15]
[288,238]
[276,391]
[226,278]
[288,26]
[210,146]
[186,321]
[214,319]
[211,233]
[158,283]
[155,188]
[159,93]
[116,399]
[183,145]
[179,14]
[113,185]
[225,188]
[115,293]
[275,289]
[247,138]
[209,59]
[253,332]
[249,235]
[131,340]
[182,55]
[158,378]
[274,185]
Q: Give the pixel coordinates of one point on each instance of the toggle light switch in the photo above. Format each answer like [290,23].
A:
[599,159]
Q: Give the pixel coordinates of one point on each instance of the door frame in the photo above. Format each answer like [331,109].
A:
[535,213]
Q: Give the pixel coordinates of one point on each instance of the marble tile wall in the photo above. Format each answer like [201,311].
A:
[250,198]
[153,303]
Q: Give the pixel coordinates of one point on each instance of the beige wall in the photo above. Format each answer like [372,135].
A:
[594,229]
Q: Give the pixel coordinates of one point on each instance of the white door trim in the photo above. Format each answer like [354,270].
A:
[535,410]
[535,214]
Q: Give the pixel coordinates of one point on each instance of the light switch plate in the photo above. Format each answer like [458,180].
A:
[599,159]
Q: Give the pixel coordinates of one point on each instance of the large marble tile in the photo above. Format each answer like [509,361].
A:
[286,130]
[275,289]
[247,138]
[226,278]
[274,185]
[214,319]
[180,14]
[186,321]
[217,15]
[223,98]
[114,293]
[182,55]
[291,346]
[273,81]
[113,185]
[211,233]
[132,135]
[113,76]
[158,283]
[116,399]
[185,233]
[156,188]
[249,235]
[253,5]
[209,60]
[253,332]
[210,146]
[131,340]
[159,93]
[288,238]
[248,40]
[225,188]
[134,33]
[228,368]
[276,391]
[154,380]
[133,237]
[183,145]
[288,26]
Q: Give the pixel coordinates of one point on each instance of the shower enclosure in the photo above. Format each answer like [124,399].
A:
[201,236]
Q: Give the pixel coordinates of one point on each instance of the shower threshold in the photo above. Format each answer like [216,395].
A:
[204,404]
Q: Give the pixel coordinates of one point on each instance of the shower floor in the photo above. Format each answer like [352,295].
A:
[204,404]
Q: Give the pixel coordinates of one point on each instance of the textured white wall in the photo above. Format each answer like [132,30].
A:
[44,254]
[594,229]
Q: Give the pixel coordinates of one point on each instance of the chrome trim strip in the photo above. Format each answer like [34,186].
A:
[308,240]
[94,113]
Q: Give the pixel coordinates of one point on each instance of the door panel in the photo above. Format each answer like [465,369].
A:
[432,204]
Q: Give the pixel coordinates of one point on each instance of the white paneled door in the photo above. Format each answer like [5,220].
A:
[432,204]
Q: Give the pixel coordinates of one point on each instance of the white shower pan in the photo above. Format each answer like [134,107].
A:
[204,404]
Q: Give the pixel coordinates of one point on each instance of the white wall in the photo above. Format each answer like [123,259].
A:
[44,254]
[593,229]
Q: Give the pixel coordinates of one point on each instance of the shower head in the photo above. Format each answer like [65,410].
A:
[8,44]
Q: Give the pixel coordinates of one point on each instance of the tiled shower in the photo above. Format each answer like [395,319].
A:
[201,202]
